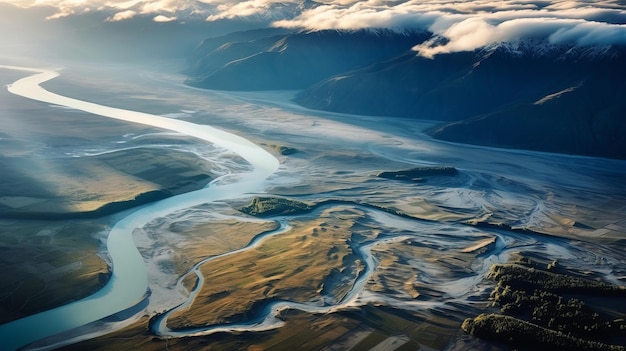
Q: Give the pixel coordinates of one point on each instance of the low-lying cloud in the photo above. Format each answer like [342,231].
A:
[163,19]
[456,26]
[122,15]
[119,10]
[168,10]
[464,26]
[476,32]
[263,9]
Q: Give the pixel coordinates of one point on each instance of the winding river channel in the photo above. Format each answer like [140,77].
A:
[128,284]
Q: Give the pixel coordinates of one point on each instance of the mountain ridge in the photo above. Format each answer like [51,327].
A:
[489,96]
[292,60]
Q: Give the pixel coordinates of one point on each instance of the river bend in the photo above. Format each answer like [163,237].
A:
[129,282]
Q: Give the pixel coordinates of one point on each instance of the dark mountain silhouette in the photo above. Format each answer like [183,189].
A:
[587,119]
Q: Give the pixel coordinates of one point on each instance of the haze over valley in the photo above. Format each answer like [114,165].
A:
[354,175]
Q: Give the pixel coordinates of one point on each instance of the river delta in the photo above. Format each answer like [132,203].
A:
[372,263]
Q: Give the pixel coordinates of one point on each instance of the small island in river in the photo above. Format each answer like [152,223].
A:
[417,174]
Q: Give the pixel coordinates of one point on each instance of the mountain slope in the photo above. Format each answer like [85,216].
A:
[520,95]
[294,60]
[587,119]
[527,94]
[452,86]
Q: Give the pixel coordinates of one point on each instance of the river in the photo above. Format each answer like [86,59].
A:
[522,188]
[128,284]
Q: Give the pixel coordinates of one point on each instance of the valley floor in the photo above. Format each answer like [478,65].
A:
[376,263]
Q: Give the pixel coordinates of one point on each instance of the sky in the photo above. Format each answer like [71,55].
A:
[456,25]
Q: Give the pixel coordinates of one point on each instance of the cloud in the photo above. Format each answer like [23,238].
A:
[169,6]
[358,17]
[265,9]
[123,15]
[476,32]
[456,25]
[206,9]
[465,26]
[120,10]
[163,19]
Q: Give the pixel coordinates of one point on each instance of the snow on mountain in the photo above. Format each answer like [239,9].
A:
[540,48]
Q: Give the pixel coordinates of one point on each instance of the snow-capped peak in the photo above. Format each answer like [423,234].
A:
[538,48]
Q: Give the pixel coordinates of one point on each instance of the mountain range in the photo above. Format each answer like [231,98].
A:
[527,94]
[278,59]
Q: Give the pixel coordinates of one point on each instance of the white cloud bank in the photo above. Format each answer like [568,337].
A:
[463,25]
[476,32]
[164,19]
[123,15]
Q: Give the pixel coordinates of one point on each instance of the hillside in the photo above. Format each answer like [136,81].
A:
[274,59]
[528,94]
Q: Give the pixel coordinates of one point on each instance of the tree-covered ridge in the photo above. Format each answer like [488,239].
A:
[546,310]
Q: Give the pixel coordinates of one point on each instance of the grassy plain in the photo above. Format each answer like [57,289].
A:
[297,265]
[191,243]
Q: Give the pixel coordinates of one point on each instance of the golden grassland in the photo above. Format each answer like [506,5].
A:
[293,265]
[87,184]
[219,236]
[397,278]
[38,145]
[299,264]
